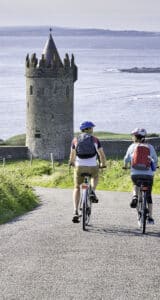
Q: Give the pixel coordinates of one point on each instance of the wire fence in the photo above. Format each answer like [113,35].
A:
[9,159]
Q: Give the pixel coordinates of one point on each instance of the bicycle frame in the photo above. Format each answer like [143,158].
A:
[85,202]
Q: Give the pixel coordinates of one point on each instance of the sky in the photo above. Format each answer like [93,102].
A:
[105,14]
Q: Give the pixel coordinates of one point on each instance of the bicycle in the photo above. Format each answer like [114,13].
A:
[87,197]
[142,204]
[85,200]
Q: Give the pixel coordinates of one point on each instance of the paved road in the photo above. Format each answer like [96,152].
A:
[43,255]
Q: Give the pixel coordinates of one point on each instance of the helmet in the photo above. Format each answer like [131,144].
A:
[139,131]
[86,124]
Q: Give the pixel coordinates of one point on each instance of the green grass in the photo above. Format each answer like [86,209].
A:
[113,178]
[16,197]
[112,136]
[18,178]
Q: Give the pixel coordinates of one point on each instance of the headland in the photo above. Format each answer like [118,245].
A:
[141,70]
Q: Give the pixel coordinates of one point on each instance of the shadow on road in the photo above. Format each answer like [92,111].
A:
[116,230]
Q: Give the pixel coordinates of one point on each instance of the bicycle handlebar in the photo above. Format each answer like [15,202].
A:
[126,168]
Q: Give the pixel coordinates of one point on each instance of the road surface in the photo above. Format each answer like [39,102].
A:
[43,255]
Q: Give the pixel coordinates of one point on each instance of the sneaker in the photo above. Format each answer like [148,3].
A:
[134,201]
[150,220]
[93,197]
[75,218]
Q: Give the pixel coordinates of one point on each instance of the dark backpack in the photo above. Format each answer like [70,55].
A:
[141,157]
[85,147]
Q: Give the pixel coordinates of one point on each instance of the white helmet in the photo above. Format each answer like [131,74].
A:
[139,131]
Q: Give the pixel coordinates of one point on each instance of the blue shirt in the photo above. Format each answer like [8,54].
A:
[129,155]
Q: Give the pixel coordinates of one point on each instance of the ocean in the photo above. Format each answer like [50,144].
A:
[115,101]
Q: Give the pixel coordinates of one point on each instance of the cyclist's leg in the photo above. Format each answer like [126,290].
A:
[149,199]
[94,181]
[76,192]
[94,176]
[76,197]
[134,200]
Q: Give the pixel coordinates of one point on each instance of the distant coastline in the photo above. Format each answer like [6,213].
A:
[66,31]
[141,70]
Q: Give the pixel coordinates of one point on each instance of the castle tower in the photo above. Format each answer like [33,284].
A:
[50,95]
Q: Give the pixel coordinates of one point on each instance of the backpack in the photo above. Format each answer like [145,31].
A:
[141,157]
[85,147]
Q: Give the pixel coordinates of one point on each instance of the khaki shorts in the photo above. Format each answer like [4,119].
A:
[78,179]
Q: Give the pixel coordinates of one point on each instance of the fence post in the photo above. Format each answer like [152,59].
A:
[31,158]
[4,161]
[52,161]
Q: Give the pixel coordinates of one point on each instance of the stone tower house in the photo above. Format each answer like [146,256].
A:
[50,97]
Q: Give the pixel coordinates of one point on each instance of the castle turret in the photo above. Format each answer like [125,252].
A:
[50,97]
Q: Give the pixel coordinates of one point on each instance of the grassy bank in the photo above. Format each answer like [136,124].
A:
[113,178]
[18,178]
[16,197]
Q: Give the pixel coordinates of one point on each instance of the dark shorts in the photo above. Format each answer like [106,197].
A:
[149,179]
[136,178]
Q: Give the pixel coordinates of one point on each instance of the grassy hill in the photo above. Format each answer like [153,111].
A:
[19,140]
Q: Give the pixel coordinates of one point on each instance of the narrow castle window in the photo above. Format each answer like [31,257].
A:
[31,90]
[37,134]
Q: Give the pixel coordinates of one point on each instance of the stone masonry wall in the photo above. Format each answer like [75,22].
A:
[112,148]
[118,148]
[13,152]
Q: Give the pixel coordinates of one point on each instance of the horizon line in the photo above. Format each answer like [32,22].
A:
[78,28]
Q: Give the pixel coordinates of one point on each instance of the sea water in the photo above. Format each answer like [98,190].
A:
[115,101]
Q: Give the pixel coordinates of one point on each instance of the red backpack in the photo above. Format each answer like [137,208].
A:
[141,157]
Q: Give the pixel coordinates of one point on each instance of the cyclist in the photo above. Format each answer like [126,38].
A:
[83,165]
[139,135]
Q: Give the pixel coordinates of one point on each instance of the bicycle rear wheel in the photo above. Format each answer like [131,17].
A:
[85,210]
[144,213]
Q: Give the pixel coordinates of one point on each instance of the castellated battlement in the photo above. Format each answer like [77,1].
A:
[54,68]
